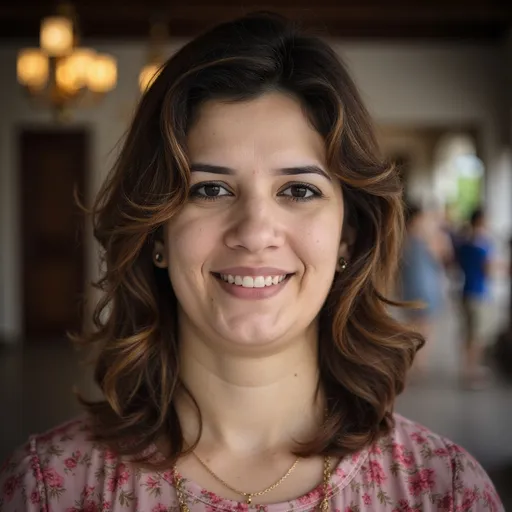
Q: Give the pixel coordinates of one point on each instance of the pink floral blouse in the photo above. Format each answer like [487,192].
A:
[411,470]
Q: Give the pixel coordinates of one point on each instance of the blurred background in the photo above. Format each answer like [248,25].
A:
[437,77]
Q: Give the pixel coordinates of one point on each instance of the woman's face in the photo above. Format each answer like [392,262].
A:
[252,255]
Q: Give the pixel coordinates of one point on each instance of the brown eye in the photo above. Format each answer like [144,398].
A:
[299,191]
[211,190]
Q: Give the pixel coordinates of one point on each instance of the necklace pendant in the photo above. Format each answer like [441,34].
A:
[249,499]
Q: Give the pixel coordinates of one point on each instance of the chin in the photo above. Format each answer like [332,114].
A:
[254,332]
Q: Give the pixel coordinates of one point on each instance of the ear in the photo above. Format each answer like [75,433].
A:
[347,242]
[345,249]
[159,254]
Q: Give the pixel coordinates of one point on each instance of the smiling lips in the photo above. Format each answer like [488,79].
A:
[252,283]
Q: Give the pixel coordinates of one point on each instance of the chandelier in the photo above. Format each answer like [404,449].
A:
[60,74]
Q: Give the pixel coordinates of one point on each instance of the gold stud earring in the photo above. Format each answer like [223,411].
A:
[342,263]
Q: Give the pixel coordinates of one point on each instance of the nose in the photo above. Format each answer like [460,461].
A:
[256,226]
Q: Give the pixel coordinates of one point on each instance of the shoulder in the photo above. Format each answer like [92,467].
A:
[483,243]
[57,447]
[51,466]
[413,466]
[426,446]
[487,244]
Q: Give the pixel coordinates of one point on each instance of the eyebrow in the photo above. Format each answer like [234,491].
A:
[286,171]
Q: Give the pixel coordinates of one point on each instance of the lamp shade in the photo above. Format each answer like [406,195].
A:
[56,37]
[148,75]
[102,74]
[32,68]
[67,77]
[79,62]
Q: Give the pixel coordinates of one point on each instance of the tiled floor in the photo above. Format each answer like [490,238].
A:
[37,382]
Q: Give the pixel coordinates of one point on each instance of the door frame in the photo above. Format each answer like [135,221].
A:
[87,130]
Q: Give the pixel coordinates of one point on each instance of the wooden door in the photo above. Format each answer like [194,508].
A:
[53,163]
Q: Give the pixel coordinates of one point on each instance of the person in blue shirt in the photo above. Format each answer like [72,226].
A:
[474,256]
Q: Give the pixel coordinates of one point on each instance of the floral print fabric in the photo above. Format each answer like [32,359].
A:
[411,470]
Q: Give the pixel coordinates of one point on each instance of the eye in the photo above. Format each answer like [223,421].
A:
[209,191]
[300,192]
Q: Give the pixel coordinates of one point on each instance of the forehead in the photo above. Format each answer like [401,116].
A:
[271,126]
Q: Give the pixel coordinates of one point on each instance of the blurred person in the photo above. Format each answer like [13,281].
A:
[475,257]
[452,235]
[452,231]
[441,232]
[248,360]
[425,252]
[449,223]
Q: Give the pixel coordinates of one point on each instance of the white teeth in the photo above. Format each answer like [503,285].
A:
[259,282]
[252,281]
[248,282]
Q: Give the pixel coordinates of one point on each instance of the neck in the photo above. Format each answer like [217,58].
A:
[478,231]
[250,404]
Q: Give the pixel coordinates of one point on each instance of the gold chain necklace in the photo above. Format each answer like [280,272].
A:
[324,505]
[248,495]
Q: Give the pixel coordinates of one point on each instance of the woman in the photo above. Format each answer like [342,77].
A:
[246,355]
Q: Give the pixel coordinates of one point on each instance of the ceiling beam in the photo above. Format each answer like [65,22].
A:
[391,19]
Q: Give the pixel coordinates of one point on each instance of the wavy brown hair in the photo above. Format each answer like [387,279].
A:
[364,354]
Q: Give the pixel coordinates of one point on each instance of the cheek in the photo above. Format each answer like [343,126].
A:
[319,238]
[319,251]
[188,242]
